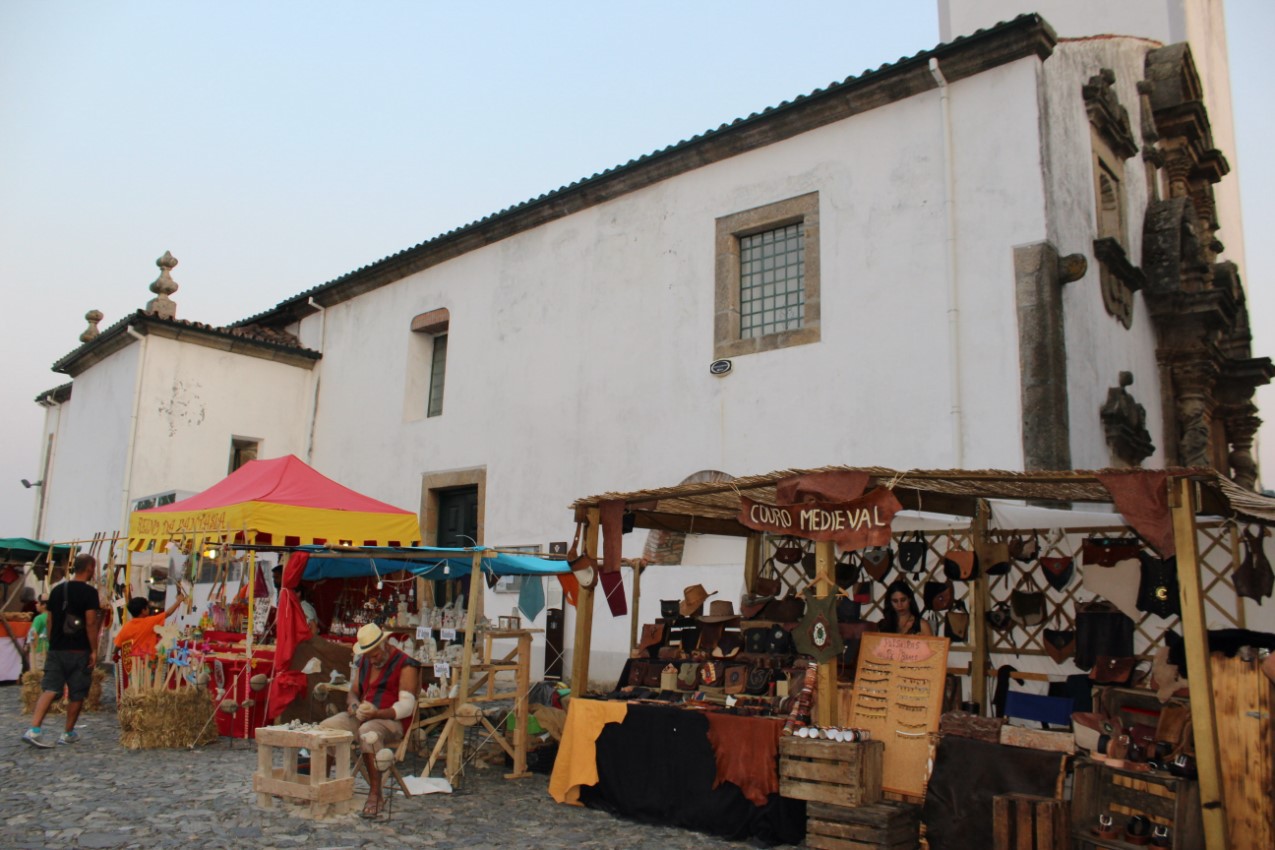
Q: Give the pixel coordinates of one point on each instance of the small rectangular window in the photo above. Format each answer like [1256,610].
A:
[772,293]
[242,450]
[437,374]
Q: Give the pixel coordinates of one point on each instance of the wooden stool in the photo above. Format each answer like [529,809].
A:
[325,796]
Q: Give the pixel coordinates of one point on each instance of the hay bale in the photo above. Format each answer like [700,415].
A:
[167,718]
[31,692]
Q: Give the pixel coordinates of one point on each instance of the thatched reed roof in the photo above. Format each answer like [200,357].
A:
[711,507]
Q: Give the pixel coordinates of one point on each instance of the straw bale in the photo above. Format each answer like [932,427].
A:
[31,692]
[166,718]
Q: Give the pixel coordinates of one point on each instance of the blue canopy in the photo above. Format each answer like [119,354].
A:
[427,562]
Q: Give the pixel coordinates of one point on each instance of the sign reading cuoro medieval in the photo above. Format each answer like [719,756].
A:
[855,524]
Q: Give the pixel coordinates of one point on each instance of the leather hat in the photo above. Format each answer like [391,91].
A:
[693,599]
[719,611]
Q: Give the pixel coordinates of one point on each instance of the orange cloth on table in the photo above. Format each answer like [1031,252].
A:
[137,637]
[747,752]
[577,761]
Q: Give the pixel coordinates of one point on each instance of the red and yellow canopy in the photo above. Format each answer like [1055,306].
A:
[282,502]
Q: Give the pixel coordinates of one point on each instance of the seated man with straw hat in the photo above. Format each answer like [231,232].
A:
[381,703]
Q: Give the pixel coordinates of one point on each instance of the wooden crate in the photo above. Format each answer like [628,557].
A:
[1026,822]
[880,826]
[830,771]
[1099,788]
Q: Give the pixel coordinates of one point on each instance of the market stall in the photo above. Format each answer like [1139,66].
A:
[271,505]
[1191,531]
[462,654]
[16,554]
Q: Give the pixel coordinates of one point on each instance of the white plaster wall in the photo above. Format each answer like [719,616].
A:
[84,487]
[194,399]
[578,353]
[1098,346]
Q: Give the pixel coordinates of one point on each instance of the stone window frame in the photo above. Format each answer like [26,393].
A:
[430,347]
[727,340]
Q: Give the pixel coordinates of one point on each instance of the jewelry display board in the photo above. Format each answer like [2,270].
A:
[898,698]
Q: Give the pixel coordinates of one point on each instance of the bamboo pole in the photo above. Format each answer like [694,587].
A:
[826,692]
[1195,636]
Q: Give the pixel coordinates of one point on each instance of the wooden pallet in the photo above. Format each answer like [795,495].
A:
[880,826]
[831,772]
[1026,822]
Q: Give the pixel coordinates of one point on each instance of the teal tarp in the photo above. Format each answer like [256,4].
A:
[25,549]
[427,562]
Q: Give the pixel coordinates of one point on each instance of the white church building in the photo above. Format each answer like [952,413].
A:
[1015,250]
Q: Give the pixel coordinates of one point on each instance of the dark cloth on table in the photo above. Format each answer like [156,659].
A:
[967,775]
[658,767]
[747,752]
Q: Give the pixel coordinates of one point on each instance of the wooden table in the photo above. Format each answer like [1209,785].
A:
[325,796]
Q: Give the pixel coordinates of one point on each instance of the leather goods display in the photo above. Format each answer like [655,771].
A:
[1101,630]
[1027,602]
[779,641]
[693,598]
[817,634]
[755,640]
[786,610]
[758,681]
[937,595]
[957,626]
[735,678]
[1113,670]
[1000,617]
[1058,571]
[688,676]
[1158,588]
[1024,549]
[789,551]
[1108,551]
[1060,644]
[652,635]
[1253,577]
[960,565]
[876,561]
[710,674]
[668,609]
[912,550]
[994,556]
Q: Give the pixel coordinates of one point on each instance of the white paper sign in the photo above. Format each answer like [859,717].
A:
[422,632]
[448,634]
[442,670]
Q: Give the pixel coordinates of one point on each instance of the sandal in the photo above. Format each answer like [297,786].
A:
[372,809]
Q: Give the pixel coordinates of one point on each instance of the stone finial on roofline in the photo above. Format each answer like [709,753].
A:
[161,305]
[91,332]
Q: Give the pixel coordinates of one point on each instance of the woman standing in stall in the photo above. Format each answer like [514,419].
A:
[902,615]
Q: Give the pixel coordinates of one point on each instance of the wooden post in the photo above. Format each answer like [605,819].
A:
[752,561]
[456,744]
[979,656]
[1195,637]
[584,617]
[826,695]
[637,596]
[521,708]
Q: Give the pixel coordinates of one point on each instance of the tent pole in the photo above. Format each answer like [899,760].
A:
[826,693]
[252,588]
[584,616]
[637,597]
[1195,637]
[456,744]
[979,657]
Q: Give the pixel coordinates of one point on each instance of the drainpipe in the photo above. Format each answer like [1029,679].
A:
[953,290]
[132,426]
[314,399]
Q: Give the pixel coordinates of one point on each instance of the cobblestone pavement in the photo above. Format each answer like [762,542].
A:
[97,794]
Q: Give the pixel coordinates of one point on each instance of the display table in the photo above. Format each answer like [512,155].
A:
[325,796]
[658,764]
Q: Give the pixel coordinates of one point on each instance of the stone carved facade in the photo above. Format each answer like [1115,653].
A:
[1196,303]
[1113,143]
[1125,422]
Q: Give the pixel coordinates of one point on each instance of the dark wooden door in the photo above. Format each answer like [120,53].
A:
[457,528]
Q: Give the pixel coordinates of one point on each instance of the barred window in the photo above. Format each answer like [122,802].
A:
[767,281]
[771,274]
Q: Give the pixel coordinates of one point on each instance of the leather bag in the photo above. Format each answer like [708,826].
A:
[1113,670]
[1253,577]
[1028,602]
[1058,571]
[1023,549]
[1109,551]
[876,561]
[1000,617]
[1102,629]
[912,551]
[957,624]
[960,565]
[789,551]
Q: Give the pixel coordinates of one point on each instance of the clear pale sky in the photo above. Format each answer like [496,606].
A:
[275,146]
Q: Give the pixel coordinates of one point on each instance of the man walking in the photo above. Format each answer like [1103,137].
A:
[74,611]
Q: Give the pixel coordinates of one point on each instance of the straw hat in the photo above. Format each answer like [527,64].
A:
[370,637]
[693,599]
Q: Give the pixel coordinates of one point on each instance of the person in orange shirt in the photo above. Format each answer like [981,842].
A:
[137,638]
